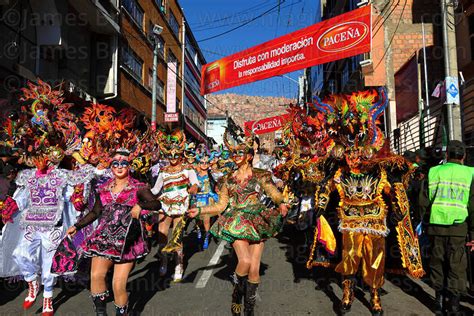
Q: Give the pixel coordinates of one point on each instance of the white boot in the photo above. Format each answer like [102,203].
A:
[33,289]
[178,273]
[47,306]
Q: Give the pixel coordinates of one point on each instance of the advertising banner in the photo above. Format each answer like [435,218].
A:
[340,37]
[171,88]
[266,125]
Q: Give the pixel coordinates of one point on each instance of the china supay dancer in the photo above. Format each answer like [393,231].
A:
[247,223]
[119,238]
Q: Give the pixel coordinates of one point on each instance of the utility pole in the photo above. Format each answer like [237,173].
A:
[183,64]
[156,49]
[153,95]
[451,71]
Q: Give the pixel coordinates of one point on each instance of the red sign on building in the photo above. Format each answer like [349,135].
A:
[266,125]
[343,36]
[171,117]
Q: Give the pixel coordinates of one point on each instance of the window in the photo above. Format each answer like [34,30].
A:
[162,5]
[135,11]
[160,87]
[191,50]
[174,24]
[193,114]
[132,62]
[193,84]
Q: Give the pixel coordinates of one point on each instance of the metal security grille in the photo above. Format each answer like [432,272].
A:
[407,135]
[467,104]
[468,112]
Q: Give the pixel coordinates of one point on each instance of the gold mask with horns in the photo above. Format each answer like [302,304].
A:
[171,144]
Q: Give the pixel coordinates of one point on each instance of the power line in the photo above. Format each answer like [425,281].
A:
[393,35]
[289,16]
[236,14]
[242,25]
[251,20]
[278,18]
[384,18]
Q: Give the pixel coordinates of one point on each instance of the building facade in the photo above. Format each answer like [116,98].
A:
[195,109]
[102,51]
[70,42]
[138,18]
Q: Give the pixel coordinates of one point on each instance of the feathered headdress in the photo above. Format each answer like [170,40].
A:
[245,143]
[203,153]
[43,128]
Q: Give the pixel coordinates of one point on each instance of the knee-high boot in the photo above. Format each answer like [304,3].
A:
[163,258]
[100,303]
[347,294]
[179,269]
[375,302]
[121,310]
[240,283]
[250,298]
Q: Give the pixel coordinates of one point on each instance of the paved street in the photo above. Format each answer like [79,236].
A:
[287,289]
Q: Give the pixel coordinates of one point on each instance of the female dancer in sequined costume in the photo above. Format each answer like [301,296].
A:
[206,194]
[174,185]
[119,237]
[247,223]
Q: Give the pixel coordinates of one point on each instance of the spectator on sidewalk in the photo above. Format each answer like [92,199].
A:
[447,203]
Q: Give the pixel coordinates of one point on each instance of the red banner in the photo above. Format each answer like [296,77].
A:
[406,90]
[340,37]
[266,125]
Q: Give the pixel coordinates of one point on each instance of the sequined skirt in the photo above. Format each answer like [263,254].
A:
[251,225]
[118,237]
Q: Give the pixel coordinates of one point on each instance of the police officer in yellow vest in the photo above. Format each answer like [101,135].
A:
[447,202]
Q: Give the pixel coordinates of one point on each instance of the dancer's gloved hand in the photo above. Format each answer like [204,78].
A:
[283,208]
[193,212]
[136,209]
[71,231]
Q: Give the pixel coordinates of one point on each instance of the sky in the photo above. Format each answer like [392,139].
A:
[208,18]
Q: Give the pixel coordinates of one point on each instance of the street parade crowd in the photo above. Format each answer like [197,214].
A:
[92,184]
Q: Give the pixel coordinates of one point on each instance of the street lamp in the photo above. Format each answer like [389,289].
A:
[157,29]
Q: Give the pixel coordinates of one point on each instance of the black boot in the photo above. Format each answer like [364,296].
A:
[100,303]
[454,307]
[240,283]
[163,259]
[250,298]
[347,294]
[121,310]
[439,303]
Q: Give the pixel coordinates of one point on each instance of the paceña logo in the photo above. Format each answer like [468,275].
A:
[342,36]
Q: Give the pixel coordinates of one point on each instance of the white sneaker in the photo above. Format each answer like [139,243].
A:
[178,273]
[33,289]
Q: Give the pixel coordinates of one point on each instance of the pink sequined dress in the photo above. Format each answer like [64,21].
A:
[118,236]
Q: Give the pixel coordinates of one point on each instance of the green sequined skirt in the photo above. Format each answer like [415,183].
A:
[249,225]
